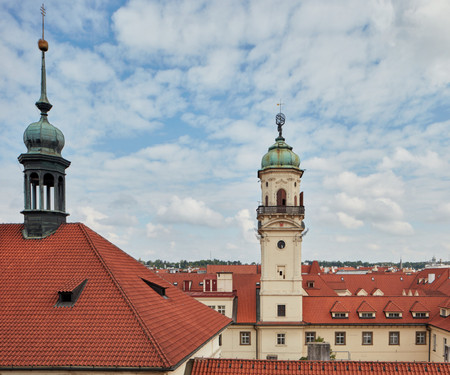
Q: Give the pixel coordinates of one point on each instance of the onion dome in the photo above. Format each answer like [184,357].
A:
[280,154]
[42,137]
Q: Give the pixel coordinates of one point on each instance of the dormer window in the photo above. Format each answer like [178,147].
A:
[339,315]
[443,313]
[310,284]
[393,315]
[420,315]
[68,295]
[157,288]
[367,315]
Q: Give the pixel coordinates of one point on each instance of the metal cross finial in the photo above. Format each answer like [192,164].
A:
[280,104]
[279,120]
[43,15]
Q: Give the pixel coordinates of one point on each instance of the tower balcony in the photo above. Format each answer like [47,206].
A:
[288,210]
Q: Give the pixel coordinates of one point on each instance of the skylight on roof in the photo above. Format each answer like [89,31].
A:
[157,288]
[67,298]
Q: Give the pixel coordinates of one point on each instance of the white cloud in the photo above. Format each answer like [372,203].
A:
[246,225]
[157,101]
[400,228]
[189,211]
[156,230]
[348,221]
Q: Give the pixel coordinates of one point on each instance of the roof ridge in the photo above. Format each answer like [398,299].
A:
[141,322]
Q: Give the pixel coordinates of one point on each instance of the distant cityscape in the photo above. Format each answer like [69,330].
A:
[327,265]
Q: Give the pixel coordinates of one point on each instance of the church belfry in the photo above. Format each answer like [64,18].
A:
[44,167]
[280,226]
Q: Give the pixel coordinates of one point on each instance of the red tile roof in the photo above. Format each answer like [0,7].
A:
[316,310]
[322,298]
[419,307]
[118,320]
[246,288]
[210,366]
[365,307]
[338,306]
[392,307]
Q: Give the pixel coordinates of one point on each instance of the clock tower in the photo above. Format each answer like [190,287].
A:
[280,226]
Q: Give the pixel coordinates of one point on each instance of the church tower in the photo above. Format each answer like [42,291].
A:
[44,167]
[280,226]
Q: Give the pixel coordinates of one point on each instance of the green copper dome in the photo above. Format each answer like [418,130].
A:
[280,155]
[42,137]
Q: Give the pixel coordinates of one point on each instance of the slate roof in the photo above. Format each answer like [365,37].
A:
[118,320]
[210,366]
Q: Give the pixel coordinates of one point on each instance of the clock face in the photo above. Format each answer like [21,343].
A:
[281,244]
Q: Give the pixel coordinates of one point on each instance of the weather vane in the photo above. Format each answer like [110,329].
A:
[43,45]
[279,120]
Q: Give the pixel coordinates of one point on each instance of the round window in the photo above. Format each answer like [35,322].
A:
[281,244]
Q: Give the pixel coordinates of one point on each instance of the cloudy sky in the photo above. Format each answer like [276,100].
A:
[168,106]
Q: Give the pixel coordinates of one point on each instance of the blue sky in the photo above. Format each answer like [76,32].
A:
[167,108]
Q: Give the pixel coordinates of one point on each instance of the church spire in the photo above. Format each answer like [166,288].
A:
[44,167]
[43,104]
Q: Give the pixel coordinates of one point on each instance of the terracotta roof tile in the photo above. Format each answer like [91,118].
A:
[338,306]
[392,307]
[365,307]
[118,320]
[210,366]
[419,307]
[316,310]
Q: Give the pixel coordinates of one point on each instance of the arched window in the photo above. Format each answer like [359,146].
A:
[281,197]
[267,200]
[34,182]
[60,200]
[49,183]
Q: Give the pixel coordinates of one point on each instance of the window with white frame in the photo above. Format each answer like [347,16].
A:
[393,315]
[281,339]
[434,342]
[245,338]
[212,307]
[367,338]
[421,338]
[339,338]
[367,315]
[221,309]
[394,338]
[310,337]
[339,315]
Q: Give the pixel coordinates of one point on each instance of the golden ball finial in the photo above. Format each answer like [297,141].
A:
[43,45]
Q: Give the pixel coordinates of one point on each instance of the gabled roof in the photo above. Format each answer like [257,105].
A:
[118,319]
[445,304]
[211,366]
[392,307]
[338,307]
[361,292]
[419,307]
[365,307]
[316,310]
[315,268]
